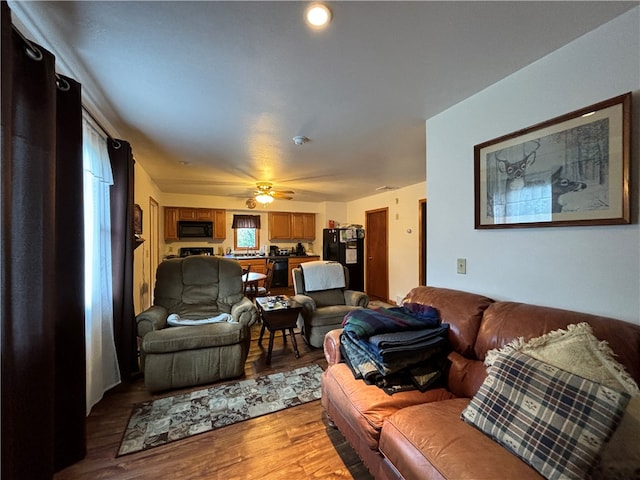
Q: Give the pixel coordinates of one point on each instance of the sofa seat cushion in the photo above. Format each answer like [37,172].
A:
[175,339]
[333,315]
[366,407]
[431,436]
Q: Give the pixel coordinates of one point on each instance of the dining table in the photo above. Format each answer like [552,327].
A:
[251,282]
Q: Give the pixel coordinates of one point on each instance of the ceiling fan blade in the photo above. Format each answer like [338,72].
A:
[289,192]
[280,196]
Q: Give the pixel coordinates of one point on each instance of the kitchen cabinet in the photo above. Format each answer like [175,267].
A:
[170,223]
[294,262]
[303,226]
[172,215]
[219,224]
[196,214]
[292,226]
[279,225]
[258,265]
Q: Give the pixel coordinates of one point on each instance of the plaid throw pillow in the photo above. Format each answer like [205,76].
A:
[555,421]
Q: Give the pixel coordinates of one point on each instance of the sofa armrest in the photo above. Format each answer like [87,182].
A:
[331,346]
[356,299]
[307,302]
[153,318]
[245,312]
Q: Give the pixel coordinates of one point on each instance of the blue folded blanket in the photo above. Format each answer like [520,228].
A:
[364,323]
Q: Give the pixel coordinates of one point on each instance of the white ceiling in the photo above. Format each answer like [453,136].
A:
[225,86]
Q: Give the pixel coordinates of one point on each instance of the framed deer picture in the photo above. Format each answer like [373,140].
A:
[570,170]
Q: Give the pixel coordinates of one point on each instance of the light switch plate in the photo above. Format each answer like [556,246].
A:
[461,264]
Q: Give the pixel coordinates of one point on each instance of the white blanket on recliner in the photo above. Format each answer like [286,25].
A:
[322,275]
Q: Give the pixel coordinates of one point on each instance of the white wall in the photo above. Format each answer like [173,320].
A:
[591,269]
[404,233]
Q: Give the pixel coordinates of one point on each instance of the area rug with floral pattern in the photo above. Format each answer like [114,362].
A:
[158,422]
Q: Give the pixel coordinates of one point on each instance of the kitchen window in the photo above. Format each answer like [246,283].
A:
[246,232]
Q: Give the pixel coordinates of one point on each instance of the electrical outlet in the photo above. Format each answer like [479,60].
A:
[461,264]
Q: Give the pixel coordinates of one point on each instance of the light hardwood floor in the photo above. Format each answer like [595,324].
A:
[295,443]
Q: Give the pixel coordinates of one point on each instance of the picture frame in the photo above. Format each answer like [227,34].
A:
[137,220]
[570,170]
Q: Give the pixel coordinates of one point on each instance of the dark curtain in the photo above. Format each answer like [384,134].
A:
[70,358]
[246,221]
[42,295]
[122,236]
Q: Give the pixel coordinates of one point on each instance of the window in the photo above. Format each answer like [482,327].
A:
[246,238]
[246,232]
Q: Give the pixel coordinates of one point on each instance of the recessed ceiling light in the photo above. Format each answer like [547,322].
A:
[318,15]
[184,162]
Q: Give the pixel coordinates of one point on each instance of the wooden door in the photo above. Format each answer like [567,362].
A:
[377,254]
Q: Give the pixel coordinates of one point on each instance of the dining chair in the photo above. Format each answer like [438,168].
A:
[246,286]
[265,289]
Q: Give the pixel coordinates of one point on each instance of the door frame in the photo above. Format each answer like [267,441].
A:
[154,244]
[422,246]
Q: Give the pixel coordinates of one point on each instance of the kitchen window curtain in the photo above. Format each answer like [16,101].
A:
[246,221]
[42,294]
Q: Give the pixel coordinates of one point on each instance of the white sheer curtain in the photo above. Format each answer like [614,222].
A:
[102,362]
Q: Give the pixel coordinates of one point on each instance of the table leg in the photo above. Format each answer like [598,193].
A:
[295,344]
[261,334]
[271,335]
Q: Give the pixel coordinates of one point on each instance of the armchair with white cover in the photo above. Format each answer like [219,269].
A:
[322,288]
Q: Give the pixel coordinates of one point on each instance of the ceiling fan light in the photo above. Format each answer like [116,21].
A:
[264,199]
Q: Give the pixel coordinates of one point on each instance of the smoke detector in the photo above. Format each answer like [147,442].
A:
[300,139]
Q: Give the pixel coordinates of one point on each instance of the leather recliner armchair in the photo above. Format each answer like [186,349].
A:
[195,288]
[324,310]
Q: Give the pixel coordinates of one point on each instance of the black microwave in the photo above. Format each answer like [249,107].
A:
[188,229]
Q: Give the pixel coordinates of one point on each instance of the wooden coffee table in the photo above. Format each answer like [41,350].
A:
[281,315]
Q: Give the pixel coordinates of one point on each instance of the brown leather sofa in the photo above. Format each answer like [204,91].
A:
[414,435]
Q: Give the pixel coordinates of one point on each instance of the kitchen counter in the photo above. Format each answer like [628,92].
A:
[268,257]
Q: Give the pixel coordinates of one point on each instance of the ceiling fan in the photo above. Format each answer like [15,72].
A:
[265,194]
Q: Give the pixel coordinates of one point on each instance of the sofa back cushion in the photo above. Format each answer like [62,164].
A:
[506,321]
[200,284]
[461,310]
[322,298]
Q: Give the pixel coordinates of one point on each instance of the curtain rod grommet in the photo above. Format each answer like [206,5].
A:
[62,84]
[33,52]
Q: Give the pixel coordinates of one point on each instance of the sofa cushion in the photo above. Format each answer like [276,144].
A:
[506,321]
[175,339]
[554,420]
[324,298]
[430,441]
[366,407]
[621,456]
[331,316]
[461,310]
[575,350]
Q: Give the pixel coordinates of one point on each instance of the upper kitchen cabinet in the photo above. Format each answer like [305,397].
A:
[170,223]
[279,225]
[172,215]
[303,226]
[219,224]
[292,226]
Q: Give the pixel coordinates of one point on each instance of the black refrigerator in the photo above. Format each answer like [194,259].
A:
[346,245]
